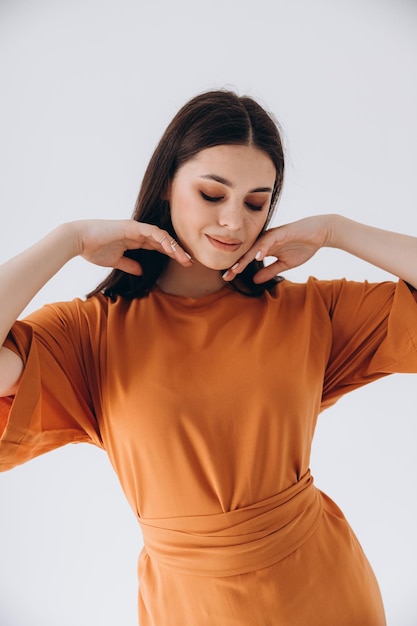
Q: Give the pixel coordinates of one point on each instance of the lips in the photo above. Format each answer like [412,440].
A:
[227,244]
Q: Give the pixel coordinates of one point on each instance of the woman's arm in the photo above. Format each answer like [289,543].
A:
[295,243]
[20,279]
[102,242]
[393,252]
[24,275]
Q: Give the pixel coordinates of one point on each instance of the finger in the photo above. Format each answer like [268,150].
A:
[168,245]
[256,253]
[174,250]
[129,266]
[269,272]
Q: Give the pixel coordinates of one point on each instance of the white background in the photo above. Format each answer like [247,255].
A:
[87,87]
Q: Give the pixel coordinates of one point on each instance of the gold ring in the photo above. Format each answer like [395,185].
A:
[173,244]
[162,240]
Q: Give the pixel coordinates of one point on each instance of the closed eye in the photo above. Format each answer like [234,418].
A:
[211,198]
[254,207]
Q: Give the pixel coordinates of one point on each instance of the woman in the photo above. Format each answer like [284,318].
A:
[201,374]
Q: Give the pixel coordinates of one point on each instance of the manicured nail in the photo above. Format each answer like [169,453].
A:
[187,255]
[235,266]
[258,255]
[226,274]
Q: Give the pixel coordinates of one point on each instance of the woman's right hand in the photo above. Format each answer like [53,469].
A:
[104,242]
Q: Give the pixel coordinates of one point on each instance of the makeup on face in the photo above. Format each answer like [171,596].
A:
[220,201]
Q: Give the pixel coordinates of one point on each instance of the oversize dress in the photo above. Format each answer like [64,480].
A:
[207,408]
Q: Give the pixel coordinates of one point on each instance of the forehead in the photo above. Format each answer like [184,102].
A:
[235,163]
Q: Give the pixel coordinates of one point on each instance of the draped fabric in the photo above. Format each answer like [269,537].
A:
[207,408]
[238,541]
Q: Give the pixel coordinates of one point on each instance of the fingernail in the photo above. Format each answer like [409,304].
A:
[258,255]
[226,274]
[187,255]
[235,266]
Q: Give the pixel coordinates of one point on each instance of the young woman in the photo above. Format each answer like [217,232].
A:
[202,375]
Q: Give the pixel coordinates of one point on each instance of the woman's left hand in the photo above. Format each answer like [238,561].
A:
[292,245]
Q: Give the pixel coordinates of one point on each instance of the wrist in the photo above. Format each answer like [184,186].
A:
[335,227]
[68,237]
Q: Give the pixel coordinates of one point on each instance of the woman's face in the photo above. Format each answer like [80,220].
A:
[219,202]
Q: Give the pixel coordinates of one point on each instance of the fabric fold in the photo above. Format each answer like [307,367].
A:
[238,541]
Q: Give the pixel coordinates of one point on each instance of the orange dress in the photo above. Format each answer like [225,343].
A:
[207,409]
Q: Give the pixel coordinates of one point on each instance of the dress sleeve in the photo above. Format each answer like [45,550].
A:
[374,333]
[59,393]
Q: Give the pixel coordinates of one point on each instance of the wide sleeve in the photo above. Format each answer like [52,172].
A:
[59,396]
[373,334]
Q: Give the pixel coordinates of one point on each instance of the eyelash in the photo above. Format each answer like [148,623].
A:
[252,207]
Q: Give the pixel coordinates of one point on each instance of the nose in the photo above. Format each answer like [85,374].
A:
[231,216]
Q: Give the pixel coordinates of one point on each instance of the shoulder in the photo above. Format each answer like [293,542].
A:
[310,289]
[68,312]
[77,315]
[337,293]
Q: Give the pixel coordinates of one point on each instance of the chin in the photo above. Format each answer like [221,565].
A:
[220,265]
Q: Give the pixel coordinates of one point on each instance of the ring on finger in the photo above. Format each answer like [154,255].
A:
[173,245]
[161,241]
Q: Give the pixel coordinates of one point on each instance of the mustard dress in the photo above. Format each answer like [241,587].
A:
[206,408]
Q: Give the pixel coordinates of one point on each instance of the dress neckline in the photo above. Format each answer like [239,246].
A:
[191,301]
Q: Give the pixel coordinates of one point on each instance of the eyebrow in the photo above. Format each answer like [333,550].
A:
[224,181]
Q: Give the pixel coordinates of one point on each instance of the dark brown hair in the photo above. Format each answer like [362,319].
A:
[210,119]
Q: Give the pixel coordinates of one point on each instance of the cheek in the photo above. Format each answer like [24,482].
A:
[185,224]
[180,213]
[256,223]
[186,214]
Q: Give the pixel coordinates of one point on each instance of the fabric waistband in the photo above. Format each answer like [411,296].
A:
[238,541]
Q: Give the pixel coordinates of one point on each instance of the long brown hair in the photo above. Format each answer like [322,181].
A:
[210,119]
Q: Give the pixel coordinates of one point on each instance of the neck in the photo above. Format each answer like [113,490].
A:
[192,282]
